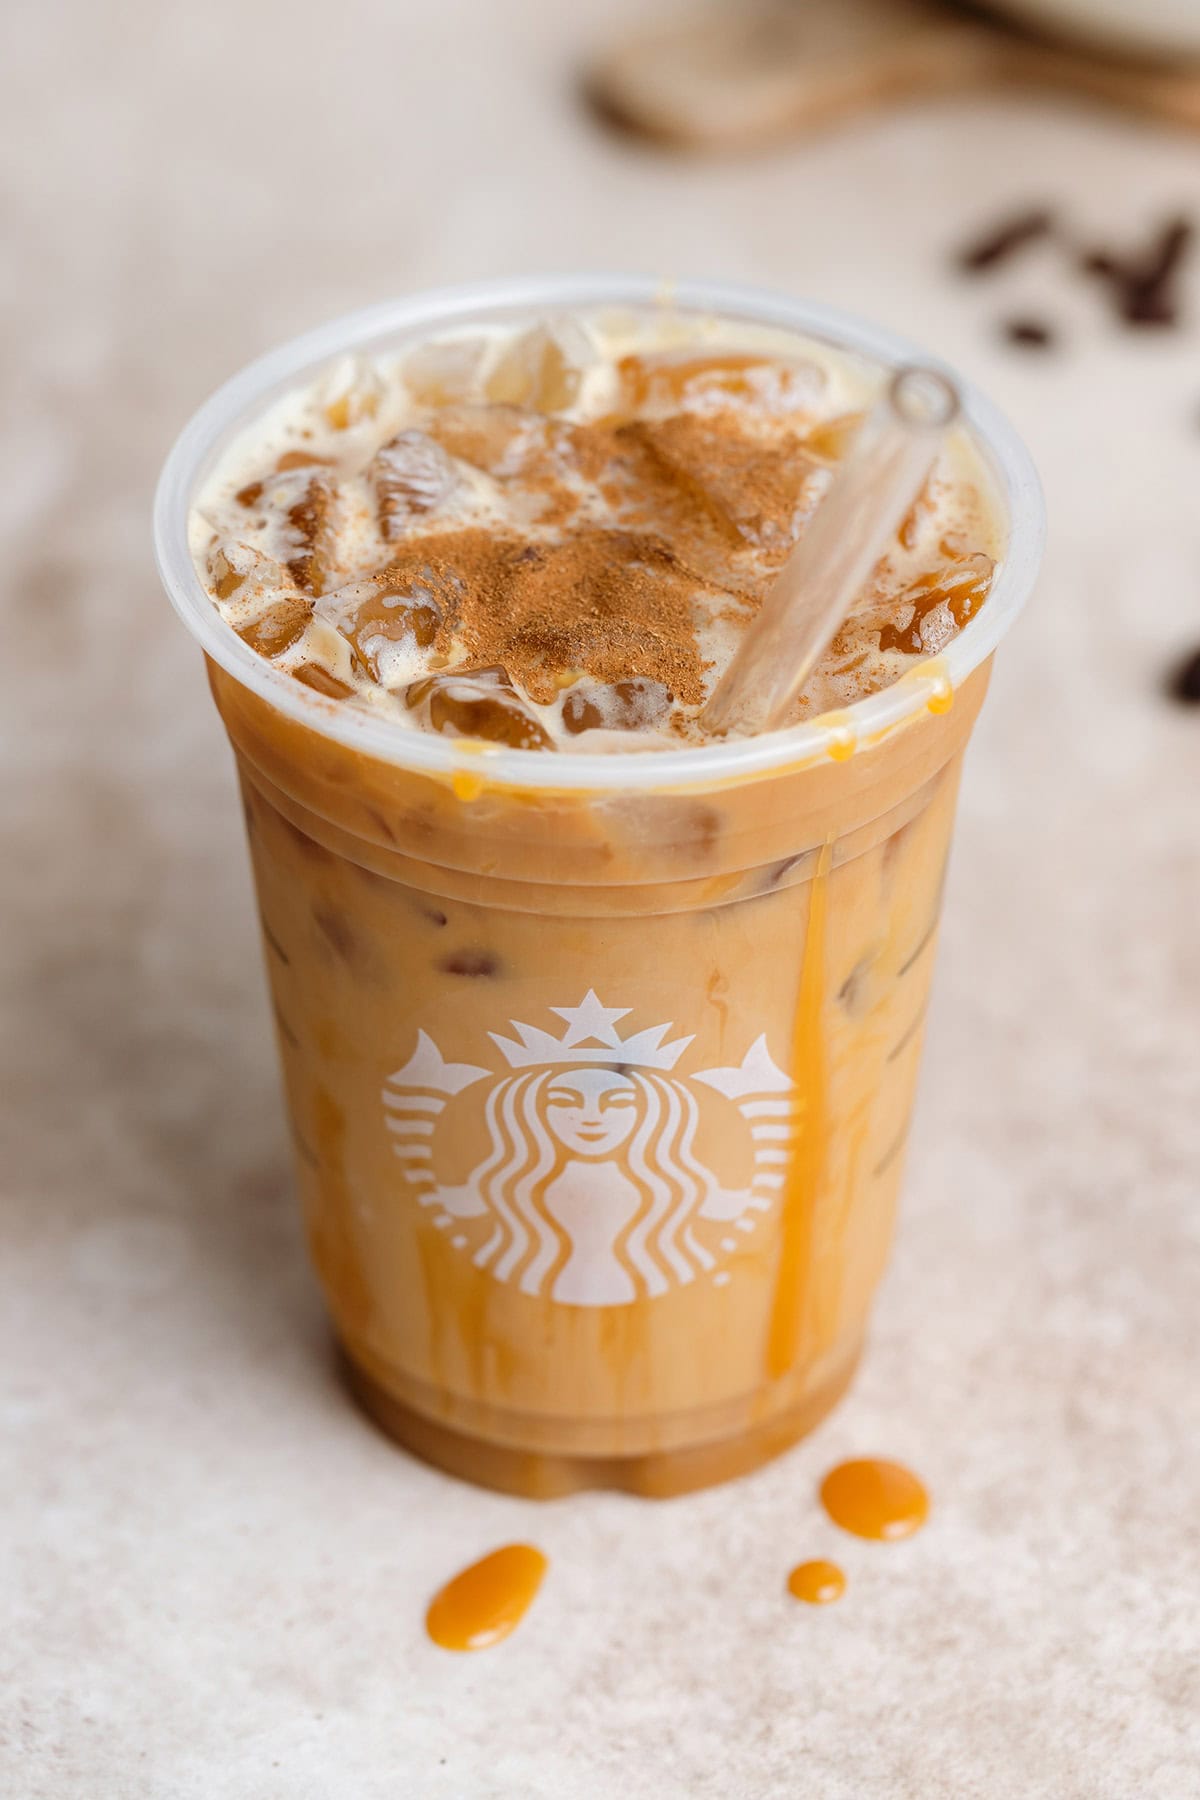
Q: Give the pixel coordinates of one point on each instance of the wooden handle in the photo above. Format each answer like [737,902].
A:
[744,75]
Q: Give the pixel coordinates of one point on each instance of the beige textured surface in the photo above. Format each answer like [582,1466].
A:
[218,1571]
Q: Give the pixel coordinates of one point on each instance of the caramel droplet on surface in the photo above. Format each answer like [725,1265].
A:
[843,740]
[940,695]
[817,1582]
[486,1602]
[875,1499]
[467,787]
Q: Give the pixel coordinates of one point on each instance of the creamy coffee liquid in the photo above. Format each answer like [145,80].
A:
[553,535]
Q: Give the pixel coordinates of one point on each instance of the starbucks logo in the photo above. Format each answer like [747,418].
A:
[591,1189]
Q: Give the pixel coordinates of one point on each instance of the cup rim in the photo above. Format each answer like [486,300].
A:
[230,407]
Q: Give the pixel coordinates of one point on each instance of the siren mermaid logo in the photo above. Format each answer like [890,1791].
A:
[591,1187]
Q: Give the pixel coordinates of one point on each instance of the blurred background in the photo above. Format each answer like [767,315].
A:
[182,188]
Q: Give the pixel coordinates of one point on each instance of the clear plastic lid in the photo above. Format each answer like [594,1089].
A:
[389,327]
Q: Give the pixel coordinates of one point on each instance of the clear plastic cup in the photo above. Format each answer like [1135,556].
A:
[598,1067]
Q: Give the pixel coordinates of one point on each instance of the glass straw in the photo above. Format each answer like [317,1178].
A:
[887,466]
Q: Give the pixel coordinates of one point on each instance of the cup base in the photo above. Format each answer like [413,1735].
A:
[537,1475]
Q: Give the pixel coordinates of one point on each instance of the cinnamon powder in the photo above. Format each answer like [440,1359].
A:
[605,603]
[693,499]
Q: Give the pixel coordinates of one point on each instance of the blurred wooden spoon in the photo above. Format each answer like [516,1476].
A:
[741,75]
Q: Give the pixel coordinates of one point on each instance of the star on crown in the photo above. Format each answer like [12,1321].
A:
[591,1037]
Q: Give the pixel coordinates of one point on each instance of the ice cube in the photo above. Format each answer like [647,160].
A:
[237,569]
[477,703]
[908,534]
[967,585]
[298,459]
[388,621]
[504,441]
[543,368]
[831,439]
[307,503]
[351,393]
[753,493]
[719,383]
[412,477]
[637,704]
[543,468]
[259,601]
[936,606]
[314,676]
[445,371]
[278,626]
[535,459]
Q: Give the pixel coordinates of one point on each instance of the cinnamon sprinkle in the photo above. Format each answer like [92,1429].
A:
[606,603]
[693,500]
[745,488]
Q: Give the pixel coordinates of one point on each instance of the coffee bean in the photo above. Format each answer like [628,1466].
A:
[1144,285]
[997,245]
[1030,334]
[1183,682]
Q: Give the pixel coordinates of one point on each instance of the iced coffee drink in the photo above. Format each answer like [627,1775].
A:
[599,1034]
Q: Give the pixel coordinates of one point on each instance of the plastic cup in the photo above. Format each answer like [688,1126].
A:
[598,1067]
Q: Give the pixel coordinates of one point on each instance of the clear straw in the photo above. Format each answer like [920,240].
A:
[887,466]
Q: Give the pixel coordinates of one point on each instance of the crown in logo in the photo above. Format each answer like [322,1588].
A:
[591,1036]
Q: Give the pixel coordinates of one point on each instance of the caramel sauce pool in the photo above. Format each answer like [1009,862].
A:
[485,1603]
[818,1582]
[874,1498]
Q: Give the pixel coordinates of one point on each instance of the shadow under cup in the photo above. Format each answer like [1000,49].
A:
[599,1069]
